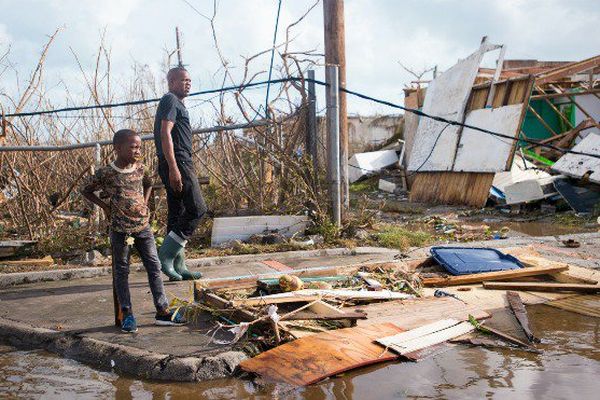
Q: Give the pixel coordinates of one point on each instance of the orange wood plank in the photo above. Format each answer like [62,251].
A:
[316,357]
[276,265]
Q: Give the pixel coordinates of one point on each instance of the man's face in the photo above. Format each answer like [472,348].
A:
[180,84]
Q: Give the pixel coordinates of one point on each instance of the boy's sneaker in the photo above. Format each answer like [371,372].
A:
[173,318]
[129,325]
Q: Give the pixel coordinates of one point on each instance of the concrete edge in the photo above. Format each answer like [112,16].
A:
[19,278]
[124,360]
[340,251]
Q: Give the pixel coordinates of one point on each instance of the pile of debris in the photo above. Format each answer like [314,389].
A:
[304,325]
[537,107]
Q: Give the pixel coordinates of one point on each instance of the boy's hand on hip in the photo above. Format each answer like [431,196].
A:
[175,180]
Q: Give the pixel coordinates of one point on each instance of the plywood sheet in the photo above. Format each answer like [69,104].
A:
[586,305]
[469,188]
[401,346]
[361,164]
[480,152]
[410,314]
[310,359]
[241,228]
[576,165]
[447,96]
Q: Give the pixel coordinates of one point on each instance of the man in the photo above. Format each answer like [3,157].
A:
[173,140]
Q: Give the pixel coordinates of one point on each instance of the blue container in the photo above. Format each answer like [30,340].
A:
[469,260]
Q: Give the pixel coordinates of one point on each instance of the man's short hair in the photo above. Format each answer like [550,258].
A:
[122,135]
[173,72]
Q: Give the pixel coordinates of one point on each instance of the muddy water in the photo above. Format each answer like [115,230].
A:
[568,368]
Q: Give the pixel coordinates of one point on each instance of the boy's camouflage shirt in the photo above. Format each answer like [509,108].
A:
[125,189]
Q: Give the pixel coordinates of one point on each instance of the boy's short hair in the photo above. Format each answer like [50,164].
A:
[122,135]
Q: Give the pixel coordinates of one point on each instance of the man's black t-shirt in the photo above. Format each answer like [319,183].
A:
[170,108]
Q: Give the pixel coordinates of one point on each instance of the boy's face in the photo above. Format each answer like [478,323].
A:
[130,151]
[181,84]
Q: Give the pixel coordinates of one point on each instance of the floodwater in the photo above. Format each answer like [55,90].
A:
[569,367]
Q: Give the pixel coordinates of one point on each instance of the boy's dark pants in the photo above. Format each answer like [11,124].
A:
[144,244]
[185,210]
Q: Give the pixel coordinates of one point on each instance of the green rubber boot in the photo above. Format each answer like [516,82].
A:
[182,269]
[167,253]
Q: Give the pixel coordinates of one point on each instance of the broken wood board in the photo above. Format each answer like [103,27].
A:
[313,358]
[276,265]
[518,309]
[481,152]
[435,142]
[585,305]
[212,300]
[507,337]
[314,294]
[543,287]
[250,281]
[325,316]
[468,188]
[271,283]
[372,283]
[426,336]
[241,228]
[577,166]
[48,260]
[492,276]
[410,314]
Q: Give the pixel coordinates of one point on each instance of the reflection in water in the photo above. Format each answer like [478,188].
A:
[568,368]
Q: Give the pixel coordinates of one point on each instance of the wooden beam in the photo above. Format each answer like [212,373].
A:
[560,114]
[567,70]
[543,287]
[517,307]
[212,300]
[492,276]
[554,95]
[544,123]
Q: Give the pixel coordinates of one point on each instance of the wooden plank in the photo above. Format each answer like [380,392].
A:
[270,283]
[517,307]
[585,305]
[543,287]
[327,316]
[314,294]
[212,300]
[458,188]
[276,265]
[250,281]
[263,300]
[316,357]
[416,333]
[404,347]
[410,314]
[29,262]
[492,276]
[507,337]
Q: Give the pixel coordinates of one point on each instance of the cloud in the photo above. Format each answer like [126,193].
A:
[379,34]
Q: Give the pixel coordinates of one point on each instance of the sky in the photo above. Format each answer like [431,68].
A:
[380,34]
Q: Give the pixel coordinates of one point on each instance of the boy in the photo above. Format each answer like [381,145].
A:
[129,190]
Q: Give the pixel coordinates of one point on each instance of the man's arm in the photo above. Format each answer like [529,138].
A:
[147,184]
[167,147]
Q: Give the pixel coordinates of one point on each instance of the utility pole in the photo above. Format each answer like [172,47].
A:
[335,54]
[178,42]
[333,143]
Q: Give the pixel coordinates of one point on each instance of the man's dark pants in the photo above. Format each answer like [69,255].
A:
[144,244]
[185,209]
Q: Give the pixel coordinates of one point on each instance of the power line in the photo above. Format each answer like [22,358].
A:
[351,92]
[272,58]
